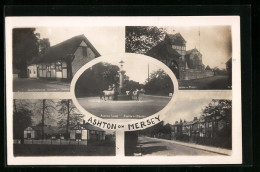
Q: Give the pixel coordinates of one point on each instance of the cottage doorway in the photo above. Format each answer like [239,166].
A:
[29,135]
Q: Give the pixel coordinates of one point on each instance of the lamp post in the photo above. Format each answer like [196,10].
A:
[121,76]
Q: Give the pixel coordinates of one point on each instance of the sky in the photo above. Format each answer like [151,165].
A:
[180,111]
[135,67]
[214,42]
[107,40]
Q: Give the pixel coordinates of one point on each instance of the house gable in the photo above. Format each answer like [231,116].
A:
[83,44]
[82,55]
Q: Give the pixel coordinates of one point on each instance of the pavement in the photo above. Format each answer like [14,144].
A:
[39,85]
[130,109]
[148,146]
[209,83]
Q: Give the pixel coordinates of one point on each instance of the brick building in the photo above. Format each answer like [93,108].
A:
[185,65]
[63,60]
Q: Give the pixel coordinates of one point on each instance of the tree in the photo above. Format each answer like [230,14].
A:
[22,118]
[44,45]
[45,108]
[217,110]
[25,47]
[98,78]
[159,83]
[68,114]
[131,85]
[140,39]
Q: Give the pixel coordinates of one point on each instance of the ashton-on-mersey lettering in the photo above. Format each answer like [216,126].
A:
[142,124]
[101,124]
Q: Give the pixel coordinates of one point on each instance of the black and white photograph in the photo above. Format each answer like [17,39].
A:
[46,59]
[205,129]
[48,127]
[199,56]
[124,88]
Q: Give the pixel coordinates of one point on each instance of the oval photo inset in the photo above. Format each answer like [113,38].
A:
[126,87]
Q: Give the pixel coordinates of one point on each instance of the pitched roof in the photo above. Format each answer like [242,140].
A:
[64,50]
[176,39]
[229,60]
[192,50]
[88,126]
[161,49]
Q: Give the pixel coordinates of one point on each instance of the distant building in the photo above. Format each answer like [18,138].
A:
[229,68]
[35,132]
[63,60]
[86,131]
[185,65]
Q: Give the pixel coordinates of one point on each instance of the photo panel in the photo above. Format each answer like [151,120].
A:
[199,56]
[55,127]
[45,59]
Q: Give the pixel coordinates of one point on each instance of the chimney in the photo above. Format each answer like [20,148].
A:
[195,118]
[84,122]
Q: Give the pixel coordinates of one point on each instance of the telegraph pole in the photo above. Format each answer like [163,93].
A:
[148,73]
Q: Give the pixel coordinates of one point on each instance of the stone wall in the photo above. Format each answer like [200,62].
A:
[195,74]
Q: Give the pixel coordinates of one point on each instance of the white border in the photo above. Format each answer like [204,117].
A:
[234,21]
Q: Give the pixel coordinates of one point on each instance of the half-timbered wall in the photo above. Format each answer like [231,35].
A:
[53,70]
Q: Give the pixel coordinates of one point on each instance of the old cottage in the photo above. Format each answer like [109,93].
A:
[63,60]
[185,65]
[86,131]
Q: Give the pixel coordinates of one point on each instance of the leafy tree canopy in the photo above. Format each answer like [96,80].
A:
[159,83]
[140,39]
[96,79]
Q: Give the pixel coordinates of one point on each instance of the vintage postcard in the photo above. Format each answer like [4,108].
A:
[123,90]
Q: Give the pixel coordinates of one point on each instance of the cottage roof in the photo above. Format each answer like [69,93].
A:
[64,50]
[161,49]
[88,126]
[176,39]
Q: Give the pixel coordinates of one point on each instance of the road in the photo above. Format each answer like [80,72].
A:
[151,146]
[39,85]
[214,82]
[146,106]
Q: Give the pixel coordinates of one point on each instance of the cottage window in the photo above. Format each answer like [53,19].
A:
[84,51]
[78,136]
[58,66]
[52,65]
[48,68]
[30,71]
